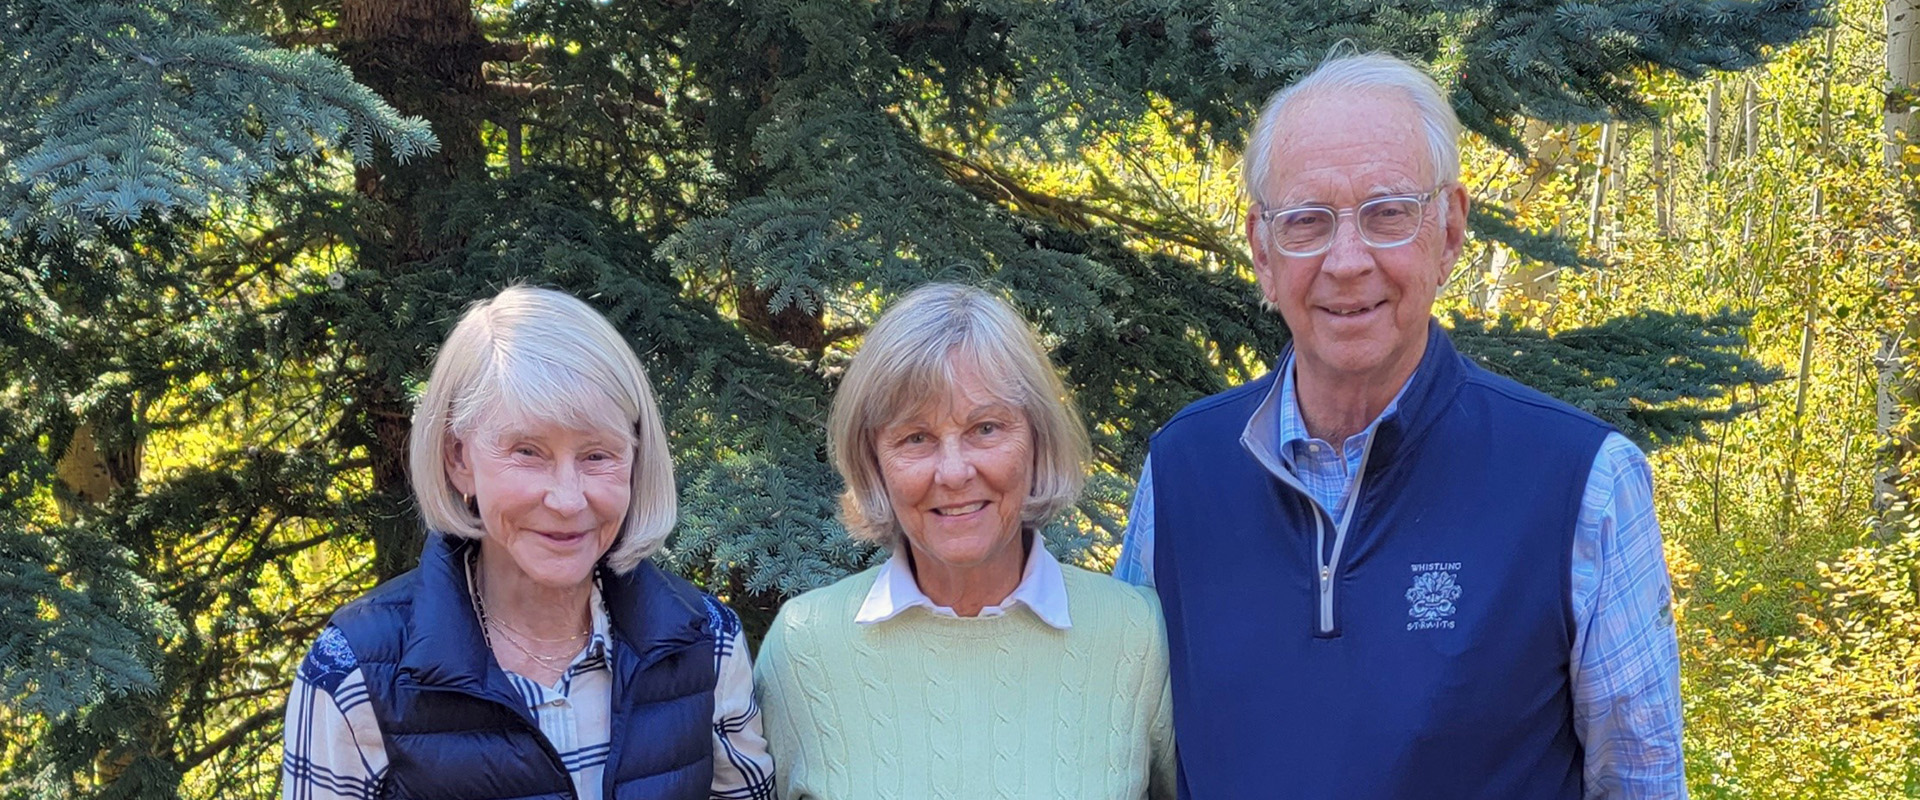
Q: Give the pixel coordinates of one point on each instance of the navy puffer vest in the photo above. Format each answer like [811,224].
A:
[455,728]
[1430,658]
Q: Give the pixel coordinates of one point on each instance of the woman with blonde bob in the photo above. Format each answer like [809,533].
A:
[970,663]
[535,652]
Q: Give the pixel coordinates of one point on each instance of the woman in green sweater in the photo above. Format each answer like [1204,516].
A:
[971,664]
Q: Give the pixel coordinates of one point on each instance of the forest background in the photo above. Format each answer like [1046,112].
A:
[234,231]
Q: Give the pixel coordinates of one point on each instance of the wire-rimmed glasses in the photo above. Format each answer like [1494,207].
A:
[1307,230]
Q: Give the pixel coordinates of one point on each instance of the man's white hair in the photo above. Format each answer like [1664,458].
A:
[1359,73]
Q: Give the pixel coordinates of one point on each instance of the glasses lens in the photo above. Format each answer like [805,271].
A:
[1389,221]
[1303,230]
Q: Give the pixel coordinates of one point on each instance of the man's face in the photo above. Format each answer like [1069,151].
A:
[1358,313]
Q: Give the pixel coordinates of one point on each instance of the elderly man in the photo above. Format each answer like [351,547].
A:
[1387,573]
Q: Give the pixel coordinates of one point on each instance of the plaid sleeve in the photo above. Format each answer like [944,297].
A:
[1135,564]
[1626,660]
[742,769]
[333,745]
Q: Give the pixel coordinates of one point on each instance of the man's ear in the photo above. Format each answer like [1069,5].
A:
[1456,228]
[1262,260]
[459,464]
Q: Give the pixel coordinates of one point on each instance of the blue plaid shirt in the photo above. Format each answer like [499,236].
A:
[1625,661]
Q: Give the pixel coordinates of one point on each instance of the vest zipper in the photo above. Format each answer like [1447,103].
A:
[1330,562]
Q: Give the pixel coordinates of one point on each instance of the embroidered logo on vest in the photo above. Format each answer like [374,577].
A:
[1430,600]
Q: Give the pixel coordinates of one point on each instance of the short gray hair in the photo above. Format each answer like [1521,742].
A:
[1357,73]
[908,361]
[538,354]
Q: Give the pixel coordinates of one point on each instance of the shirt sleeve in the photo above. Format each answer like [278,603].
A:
[1625,664]
[333,746]
[742,768]
[1135,564]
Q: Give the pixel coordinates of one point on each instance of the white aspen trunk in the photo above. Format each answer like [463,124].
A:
[1894,395]
[1599,195]
[1749,142]
[1750,120]
[1903,72]
[1737,136]
[1509,277]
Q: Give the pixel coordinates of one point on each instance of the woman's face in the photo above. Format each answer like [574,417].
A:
[552,498]
[957,474]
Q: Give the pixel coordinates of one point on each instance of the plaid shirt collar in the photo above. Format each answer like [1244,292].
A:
[1278,420]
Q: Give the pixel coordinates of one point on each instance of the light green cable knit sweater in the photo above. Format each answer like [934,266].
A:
[927,706]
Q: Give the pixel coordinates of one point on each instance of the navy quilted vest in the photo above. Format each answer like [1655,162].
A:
[454,727]
[1432,659]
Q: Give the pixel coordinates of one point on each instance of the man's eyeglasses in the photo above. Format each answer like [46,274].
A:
[1304,231]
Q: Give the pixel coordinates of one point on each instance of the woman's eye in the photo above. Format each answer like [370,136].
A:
[916,438]
[988,428]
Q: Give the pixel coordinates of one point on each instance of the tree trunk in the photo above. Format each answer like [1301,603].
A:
[424,57]
[1713,127]
[1509,277]
[1750,141]
[1750,120]
[1895,394]
[91,469]
[1662,192]
[1790,492]
[1599,196]
[1621,162]
[1903,72]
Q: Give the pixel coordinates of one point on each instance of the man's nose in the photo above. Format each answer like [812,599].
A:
[1349,254]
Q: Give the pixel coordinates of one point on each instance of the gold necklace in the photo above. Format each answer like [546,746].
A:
[487,623]
[532,638]
[550,662]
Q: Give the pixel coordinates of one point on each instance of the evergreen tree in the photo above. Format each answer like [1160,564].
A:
[741,187]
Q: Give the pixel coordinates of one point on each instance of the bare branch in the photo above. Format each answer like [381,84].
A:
[254,722]
[995,185]
[307,38]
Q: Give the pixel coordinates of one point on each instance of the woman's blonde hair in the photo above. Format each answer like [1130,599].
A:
[530,354]
[909,361]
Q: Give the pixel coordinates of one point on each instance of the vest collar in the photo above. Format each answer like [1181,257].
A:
[1425,397]
[445,646]
[1428,396]
[652,614]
